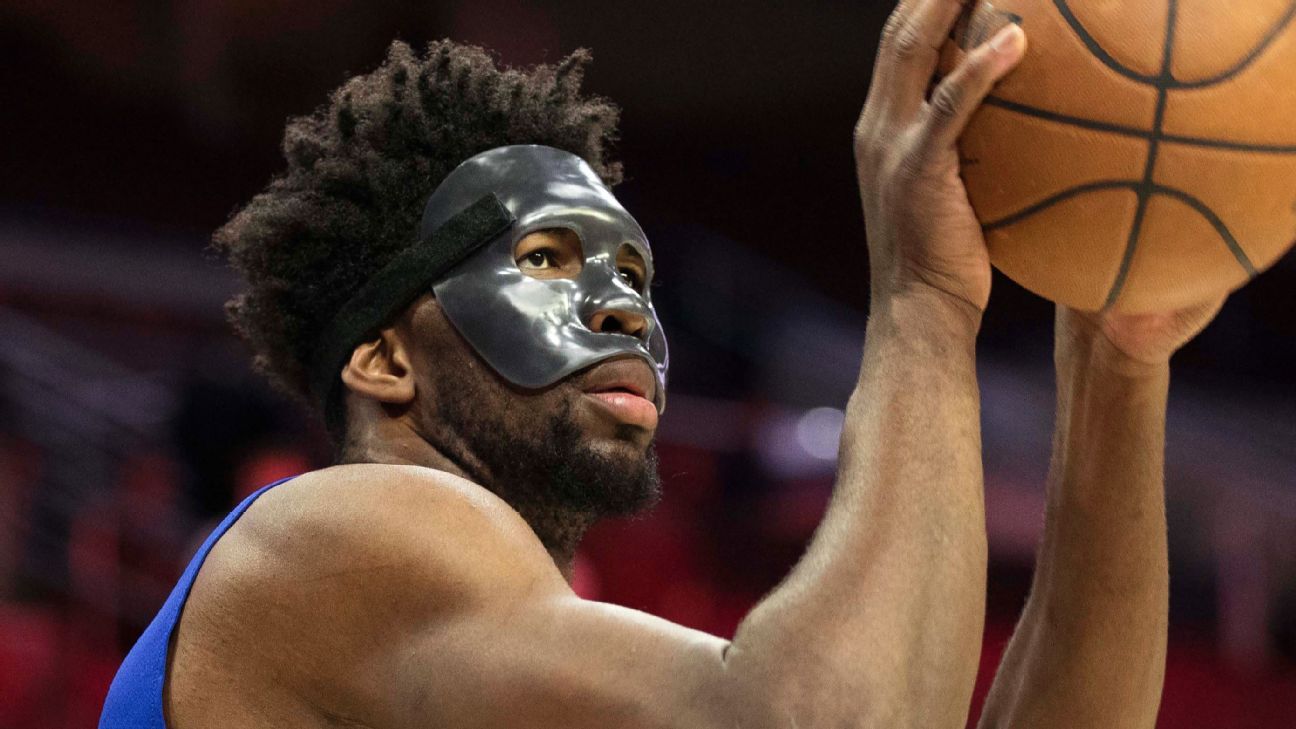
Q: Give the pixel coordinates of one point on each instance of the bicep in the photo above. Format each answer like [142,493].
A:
[560,661]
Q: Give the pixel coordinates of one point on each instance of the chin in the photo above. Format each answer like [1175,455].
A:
[626,444]
[622,471]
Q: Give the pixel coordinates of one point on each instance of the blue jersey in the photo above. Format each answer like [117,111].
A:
[135,698]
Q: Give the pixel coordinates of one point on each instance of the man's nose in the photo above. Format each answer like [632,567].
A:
[619,321]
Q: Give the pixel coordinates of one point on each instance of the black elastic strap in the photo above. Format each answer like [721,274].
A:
[401,281]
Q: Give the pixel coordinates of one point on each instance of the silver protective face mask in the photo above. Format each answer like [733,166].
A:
[534,332]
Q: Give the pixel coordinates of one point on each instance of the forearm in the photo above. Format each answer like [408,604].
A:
[1089,650]
[881,621]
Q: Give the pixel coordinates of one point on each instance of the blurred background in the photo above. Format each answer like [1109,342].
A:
[129,420]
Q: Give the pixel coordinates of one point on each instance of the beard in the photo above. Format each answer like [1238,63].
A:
[538,460]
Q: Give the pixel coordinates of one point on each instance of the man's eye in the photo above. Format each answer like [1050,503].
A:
[542,258]
[631,277]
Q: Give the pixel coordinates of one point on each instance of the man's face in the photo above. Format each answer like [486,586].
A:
[526,300]
[581,445]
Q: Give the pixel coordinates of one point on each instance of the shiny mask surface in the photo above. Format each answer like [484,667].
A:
[534,332]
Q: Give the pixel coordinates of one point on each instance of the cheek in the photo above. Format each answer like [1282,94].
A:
[437,354]
[447,366]
[436,340]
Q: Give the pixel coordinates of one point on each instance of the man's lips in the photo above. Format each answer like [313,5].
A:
[626,389]
[628,407]
[629,374]
[633,388]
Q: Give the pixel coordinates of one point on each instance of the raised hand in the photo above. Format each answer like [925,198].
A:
[921,228]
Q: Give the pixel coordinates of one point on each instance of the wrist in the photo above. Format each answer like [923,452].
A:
[920,307]
[1081,344]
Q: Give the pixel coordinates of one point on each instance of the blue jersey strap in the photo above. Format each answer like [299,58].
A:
[135,697]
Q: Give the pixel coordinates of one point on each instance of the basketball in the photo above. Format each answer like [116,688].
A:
[1143,156]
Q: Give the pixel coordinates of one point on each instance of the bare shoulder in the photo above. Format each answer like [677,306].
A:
[405,530]
[431,524]
[337,569]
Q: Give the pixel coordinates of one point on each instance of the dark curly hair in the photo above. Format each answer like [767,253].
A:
[360,169]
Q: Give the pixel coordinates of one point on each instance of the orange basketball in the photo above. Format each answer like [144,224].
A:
[1143,156]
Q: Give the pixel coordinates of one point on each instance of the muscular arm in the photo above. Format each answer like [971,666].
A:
[1089,650]
[881,621]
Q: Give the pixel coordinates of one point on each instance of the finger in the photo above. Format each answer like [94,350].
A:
[960,94]
[910,51]
[1198,317]
[882,68]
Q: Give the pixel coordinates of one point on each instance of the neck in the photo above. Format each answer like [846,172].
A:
[559,529]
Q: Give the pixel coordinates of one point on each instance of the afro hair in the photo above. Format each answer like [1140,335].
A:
[359,170]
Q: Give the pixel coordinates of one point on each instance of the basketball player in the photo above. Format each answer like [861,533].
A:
[444,272]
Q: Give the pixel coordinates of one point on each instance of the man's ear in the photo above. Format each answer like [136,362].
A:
[380,370]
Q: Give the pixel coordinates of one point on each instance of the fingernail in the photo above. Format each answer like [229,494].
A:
[1008,39]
